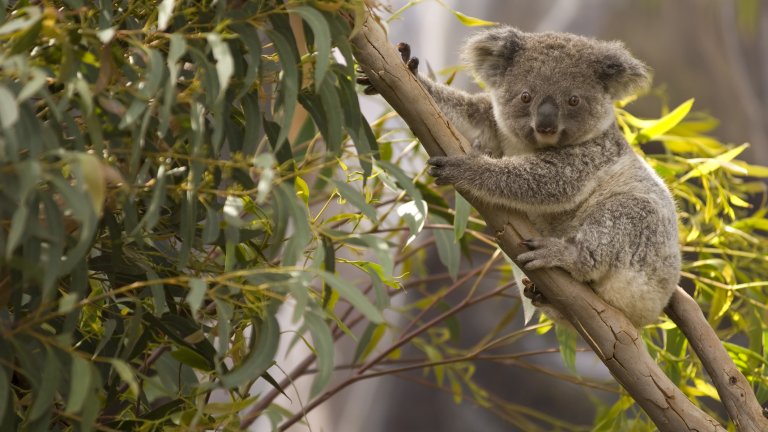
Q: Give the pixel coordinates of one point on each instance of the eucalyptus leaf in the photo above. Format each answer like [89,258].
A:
[323,344]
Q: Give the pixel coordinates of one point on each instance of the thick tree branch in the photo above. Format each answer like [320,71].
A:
[612,337]
[732,386]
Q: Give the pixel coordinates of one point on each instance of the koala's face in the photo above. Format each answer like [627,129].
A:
[551,104]
[553,89]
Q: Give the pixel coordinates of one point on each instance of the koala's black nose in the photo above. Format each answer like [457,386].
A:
[546,117]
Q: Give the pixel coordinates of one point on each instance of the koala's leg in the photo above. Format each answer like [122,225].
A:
[627,248]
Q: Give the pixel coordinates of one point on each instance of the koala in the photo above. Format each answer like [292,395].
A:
[548,145]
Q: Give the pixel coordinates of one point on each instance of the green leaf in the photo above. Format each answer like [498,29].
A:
[197,290]
[191,358]
[462,216]
[353,295]
[322,40]
[250,37]
[9,108]
[368,341]
[406,183]
[5,396]
[323,344]
[333,115]
[356,199]
[211,228]
[43,401]
[30,16]
[260,357]
[152,216]
[296,244]
[81,378]
[126,373]
[289,84]
[567,339]
[667,122]
[447,248]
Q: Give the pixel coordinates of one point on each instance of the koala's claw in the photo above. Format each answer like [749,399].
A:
[444,169]
[544,252]
[405,54]
[530,292]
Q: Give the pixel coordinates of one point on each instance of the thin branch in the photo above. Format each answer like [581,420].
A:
[360,373]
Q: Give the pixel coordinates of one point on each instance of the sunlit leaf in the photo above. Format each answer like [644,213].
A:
[164,13]
[664,124]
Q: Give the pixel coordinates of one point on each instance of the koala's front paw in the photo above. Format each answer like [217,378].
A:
[546,252]
[447,169]
[405,54]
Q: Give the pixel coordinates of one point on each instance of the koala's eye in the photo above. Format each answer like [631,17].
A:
[574,100]
[525,97]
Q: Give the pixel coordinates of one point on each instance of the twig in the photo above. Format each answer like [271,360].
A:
[360,373]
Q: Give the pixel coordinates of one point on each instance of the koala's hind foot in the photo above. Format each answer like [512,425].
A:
[405,54]
[530,292]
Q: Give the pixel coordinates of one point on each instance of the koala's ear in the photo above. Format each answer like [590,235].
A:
[621,74]
[490,53]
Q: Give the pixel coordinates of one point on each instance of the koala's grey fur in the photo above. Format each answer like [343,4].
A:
[605,216]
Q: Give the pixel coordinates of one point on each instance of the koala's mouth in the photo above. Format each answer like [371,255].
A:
[548,138]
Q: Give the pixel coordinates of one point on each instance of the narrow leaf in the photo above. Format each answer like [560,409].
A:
[462,216]
[323,344]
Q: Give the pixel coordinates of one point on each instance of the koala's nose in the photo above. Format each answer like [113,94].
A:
[546,117]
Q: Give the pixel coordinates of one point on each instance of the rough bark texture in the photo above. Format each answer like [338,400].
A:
[732,386]
[613,338]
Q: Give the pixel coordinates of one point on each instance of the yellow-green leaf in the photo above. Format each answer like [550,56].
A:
[667,122]
[472,21]
[714,163]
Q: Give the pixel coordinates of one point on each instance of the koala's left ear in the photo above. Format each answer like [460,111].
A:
[491,52]
[619,72]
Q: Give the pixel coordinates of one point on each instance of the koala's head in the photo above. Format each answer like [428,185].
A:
[553,88]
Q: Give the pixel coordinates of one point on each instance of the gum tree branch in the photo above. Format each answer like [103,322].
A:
[608,332]
[732,386]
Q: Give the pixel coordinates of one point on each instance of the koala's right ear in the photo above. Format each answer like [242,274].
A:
[490,53]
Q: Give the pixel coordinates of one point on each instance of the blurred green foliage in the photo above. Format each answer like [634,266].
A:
[172,177]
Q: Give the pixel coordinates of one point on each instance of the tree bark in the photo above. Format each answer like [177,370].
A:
[610,334]
[734,389]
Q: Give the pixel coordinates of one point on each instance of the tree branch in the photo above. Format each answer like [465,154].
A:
[612,337]
[733,388]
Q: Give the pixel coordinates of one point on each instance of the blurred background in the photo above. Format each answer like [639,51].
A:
[715,51]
